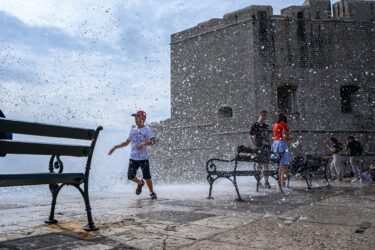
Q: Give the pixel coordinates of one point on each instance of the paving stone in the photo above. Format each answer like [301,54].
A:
[231,221]
[333,214]
[143,240]
[340,217]
[175,216]
[41,241]
[275,234]
[94,247]
[215,245]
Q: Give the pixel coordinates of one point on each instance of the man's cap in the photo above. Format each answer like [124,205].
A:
[140,113]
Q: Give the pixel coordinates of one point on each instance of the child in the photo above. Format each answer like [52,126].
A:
[140,137]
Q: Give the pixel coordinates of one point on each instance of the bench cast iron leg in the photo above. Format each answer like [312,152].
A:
[326,177]
[236,187]
[210,182]
[90,226]
[258,178]
[85,194]
[307,176]
[55,189]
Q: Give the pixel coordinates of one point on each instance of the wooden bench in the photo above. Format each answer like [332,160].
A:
[243,154]
[55,177]
[308,167]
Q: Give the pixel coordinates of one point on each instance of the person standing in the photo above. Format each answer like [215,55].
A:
[281,136]
[140,138]
[334,147]
[260,141]
[355,149]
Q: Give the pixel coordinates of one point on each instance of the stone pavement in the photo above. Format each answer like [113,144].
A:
[338,217]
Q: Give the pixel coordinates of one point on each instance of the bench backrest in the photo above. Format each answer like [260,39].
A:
[245,154]
[42,148]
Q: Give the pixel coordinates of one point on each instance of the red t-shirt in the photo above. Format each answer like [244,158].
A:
[278,130]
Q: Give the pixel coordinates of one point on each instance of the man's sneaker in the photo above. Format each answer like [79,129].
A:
[286,190]
[138,191]
[153,196]
[354,180]
[267,185]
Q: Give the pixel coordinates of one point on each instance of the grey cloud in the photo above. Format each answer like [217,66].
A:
[42,39]
[15,31]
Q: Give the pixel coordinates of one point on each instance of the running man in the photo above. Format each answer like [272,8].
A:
[140,138]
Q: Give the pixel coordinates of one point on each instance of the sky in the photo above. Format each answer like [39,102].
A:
[95,62]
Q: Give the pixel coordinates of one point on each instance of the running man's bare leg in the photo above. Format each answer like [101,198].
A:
[150,185]
[137,180]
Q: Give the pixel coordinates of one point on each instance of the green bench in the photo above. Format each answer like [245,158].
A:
[243,154]
[54,177]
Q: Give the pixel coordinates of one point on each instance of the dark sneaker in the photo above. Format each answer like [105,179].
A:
[138,191]
[153,196]
[267,185]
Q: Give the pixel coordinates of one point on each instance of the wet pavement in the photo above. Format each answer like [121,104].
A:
[341,216]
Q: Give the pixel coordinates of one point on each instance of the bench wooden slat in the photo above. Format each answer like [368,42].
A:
[42,129]
[38,179]
[244,172]
[247,158]
[20,147]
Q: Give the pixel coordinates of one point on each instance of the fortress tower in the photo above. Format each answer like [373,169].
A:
[316,65]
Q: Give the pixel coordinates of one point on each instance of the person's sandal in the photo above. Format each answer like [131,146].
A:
[153,196]
[138,191]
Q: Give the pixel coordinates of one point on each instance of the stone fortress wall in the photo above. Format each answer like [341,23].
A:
[316,62]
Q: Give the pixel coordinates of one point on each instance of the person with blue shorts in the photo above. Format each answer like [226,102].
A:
[281,136]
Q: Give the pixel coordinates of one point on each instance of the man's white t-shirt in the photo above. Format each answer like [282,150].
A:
[137,136]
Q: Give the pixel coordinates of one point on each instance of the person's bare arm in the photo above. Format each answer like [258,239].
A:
[330,149]
[149,143]
[252,142]
[121,145]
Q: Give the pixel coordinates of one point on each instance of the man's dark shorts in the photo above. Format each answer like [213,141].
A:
[133,167]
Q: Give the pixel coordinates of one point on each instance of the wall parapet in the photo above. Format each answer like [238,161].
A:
[311,10]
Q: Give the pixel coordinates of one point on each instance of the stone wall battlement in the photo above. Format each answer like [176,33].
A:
[311,10]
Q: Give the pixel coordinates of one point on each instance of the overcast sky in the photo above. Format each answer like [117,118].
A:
[94,62]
